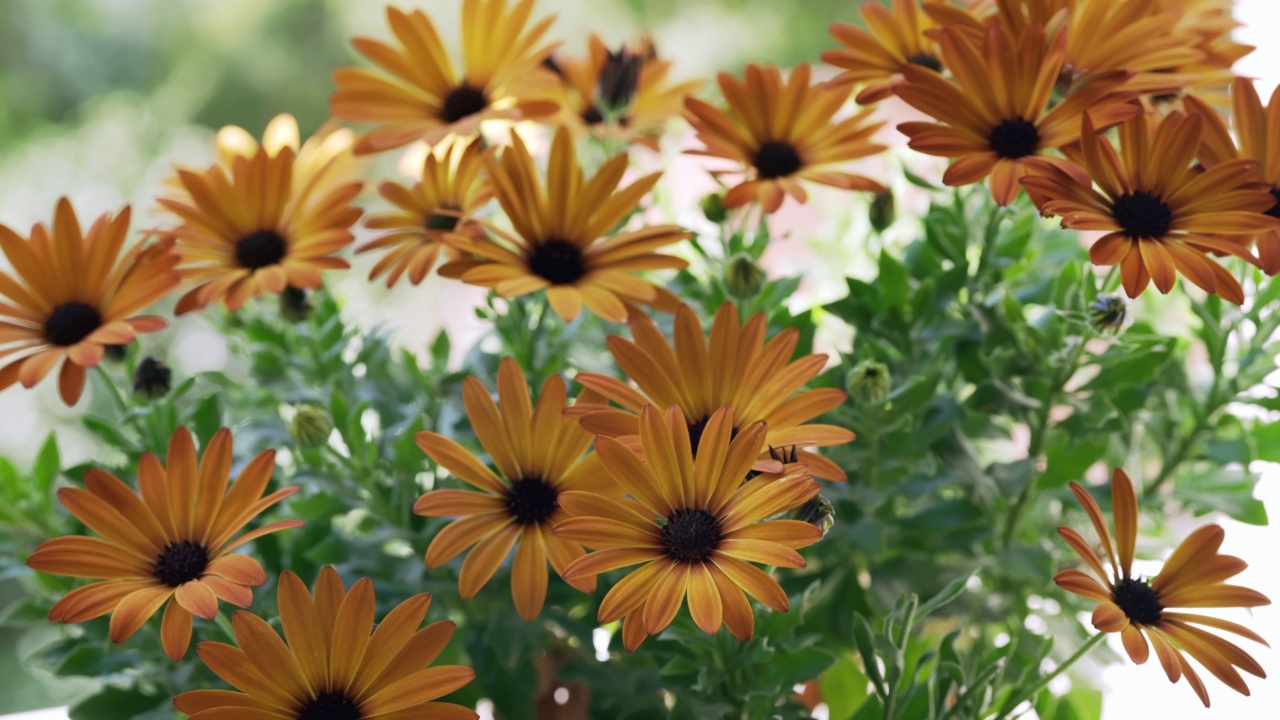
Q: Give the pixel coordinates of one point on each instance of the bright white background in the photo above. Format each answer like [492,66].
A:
[1142,692]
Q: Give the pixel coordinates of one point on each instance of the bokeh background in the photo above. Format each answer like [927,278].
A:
[99,98]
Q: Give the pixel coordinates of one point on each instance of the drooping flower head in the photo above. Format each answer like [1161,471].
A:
[338,663]
[420,96]
[734,367]
[782,132]
[893,39]
[625,94]
[565,238]
[265,217]
[538,453]
[693,523]
[1194,576]
[71,293]
[170,541]
[1160,214]
[1258,130]
[453,187]
[995,114]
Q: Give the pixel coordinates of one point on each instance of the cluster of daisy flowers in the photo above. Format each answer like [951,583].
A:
[1108,113]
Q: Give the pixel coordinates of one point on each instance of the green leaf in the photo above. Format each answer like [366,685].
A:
[866,648]
[207,418]
[844,688]
[115,703]
[1068,457]
[48,464]
[1226,490]
[892,280]
[801,666]
[944,596]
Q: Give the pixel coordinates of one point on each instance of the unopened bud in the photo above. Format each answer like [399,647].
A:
[743,276]
[713,208]
[883,210]
[115,353]
[152,379]
[295,304]
[311,426]
[869,382]
[818,512]
[618,79]
[1108,312]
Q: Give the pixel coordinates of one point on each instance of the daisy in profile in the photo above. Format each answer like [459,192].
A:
[892,39]
[166,546]
[566,238]
[694,526]
[452,188]
[993,123]
[625,94]
[732,366]
[1257,127]
[335,661]
[1142,610]
[265,217]
[782,132]
[539,455]
[1161,215]
[417,94]
[71,292]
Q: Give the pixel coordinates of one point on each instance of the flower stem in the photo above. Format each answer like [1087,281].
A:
[224,624]
[1031,692]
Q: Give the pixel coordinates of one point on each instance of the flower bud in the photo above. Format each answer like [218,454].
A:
[743,276]
[818,512]
[152,379]
[883,211]
[618,79]
[1108,313]
[713,208]
[115,353]
[311,426]
[295,304]
[869,382]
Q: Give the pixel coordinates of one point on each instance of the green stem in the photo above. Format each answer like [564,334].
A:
[1045,680]
[116,396]
[224,624]
[1039,433]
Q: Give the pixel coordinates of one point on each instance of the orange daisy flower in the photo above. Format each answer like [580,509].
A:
[339,664]
[627,94]
[265,217]
[734,367]
[539,454]
[1102,36]
[892,40]
[1161,216]
[173,540]
[453,187]
[72,293]
[783,132]
[425,99]
[1194,576]
[562,236]
[1258,128]
[694,524]
[995,115]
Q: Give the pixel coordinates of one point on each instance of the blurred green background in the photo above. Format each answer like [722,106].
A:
[98,98]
